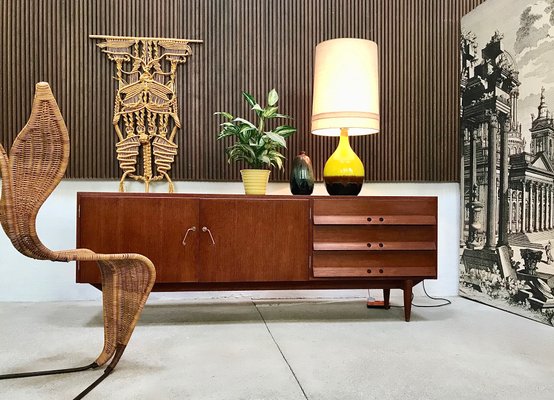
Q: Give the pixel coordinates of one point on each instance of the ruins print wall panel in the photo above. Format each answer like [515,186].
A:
[507,141]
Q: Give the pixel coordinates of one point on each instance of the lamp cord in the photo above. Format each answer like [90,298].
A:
[445,301]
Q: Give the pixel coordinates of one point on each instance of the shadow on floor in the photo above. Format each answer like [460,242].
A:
[204,313]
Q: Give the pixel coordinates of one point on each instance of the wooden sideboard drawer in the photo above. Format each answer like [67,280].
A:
[374,246]
[374,219]
[375,211]
[369,272]
[409,206]
[357,263]
[371,238]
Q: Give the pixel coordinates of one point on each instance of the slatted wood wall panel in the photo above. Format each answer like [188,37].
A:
[248,44]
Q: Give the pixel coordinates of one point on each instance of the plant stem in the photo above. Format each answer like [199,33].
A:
[259,164]
[261,126]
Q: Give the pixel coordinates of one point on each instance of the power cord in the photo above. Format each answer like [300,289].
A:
[445,301]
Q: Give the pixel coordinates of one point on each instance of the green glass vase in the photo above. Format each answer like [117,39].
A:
[302,175]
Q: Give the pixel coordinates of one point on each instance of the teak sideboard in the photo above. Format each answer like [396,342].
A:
[237,242]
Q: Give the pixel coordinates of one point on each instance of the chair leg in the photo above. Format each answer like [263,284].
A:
[117,356]
[48,372]
[109,369]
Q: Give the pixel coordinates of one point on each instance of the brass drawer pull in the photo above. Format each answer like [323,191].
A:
[191,229]
[206,229]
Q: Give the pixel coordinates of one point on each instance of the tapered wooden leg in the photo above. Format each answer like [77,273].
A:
[408,284]
[386,298]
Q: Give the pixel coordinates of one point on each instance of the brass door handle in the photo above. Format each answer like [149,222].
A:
[191,229]
[206,229]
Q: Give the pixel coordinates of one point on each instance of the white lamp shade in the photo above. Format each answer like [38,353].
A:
[346,87]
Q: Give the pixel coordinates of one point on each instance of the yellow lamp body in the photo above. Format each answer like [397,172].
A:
[344,172]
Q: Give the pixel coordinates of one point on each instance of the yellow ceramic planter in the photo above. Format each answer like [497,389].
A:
[255,180]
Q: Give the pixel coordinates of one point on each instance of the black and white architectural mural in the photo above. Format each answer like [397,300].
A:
[507,137]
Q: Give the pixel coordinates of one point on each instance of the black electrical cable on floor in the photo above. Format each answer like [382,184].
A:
[446,301]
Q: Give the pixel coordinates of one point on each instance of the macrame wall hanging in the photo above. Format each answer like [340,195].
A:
[146,111]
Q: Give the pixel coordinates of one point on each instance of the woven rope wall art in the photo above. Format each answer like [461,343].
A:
[146,116]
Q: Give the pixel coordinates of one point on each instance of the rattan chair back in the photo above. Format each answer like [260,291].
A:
[34,167]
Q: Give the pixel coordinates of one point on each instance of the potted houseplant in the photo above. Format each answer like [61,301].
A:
[257,144]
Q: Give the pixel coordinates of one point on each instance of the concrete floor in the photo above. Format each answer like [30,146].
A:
[317,350]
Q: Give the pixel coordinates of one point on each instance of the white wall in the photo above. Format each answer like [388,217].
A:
[24,279]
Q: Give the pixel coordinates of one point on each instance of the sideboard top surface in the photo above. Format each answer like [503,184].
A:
[243,196]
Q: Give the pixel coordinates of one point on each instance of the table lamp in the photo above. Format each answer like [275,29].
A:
[345,103]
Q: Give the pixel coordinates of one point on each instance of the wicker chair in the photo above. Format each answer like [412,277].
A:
[35,166]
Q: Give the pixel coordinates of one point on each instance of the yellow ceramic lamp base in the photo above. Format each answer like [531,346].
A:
[344,172]
[255,180]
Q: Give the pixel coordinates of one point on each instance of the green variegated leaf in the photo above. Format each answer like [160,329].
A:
[242,120]
[270,112]
[276,154]
[225,114]
[249,99]
[244,138]
[246,149]
[259,110]
[247,128]
[282,116]
[276,138]
[225,134]
[279,162]
[272,98]
[285,130]
[245,133]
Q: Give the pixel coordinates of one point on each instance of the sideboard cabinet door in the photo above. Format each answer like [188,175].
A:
[245,240]
[153,226]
